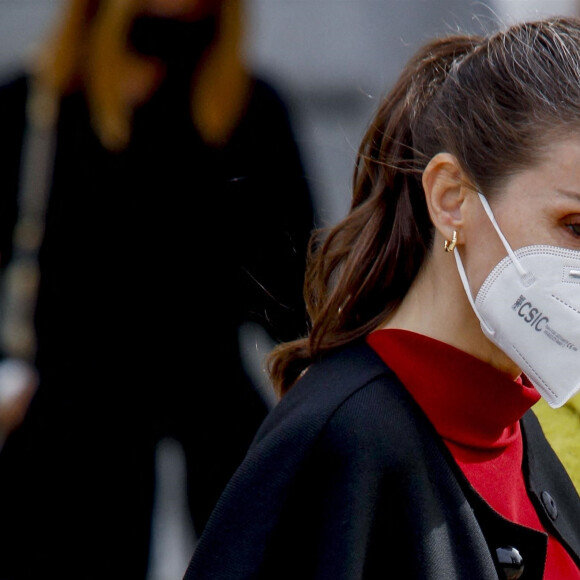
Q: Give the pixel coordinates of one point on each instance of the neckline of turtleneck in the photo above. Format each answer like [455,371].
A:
[469,402]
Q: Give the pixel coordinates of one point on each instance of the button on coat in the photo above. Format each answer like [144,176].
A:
[511,561]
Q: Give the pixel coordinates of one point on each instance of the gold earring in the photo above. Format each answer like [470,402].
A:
[450,245]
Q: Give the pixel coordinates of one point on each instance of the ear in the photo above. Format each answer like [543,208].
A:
[444,183]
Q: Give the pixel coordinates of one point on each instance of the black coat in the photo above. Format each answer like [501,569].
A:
[347,479]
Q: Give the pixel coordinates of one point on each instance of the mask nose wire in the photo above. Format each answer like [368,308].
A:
[521,270]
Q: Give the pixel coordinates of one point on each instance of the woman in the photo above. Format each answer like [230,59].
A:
[403,445]
[177,212]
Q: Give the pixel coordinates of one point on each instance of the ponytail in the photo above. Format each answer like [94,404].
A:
[359,271]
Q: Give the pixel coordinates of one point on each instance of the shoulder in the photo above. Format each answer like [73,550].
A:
[324,387]
[13,95]
[302,463]
[14,86]
[379,427]
[348,403]
[267,112]
[266,95]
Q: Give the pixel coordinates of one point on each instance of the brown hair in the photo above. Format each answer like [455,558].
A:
[88,49]
[493,102]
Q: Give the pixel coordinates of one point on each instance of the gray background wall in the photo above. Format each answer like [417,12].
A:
[332,60]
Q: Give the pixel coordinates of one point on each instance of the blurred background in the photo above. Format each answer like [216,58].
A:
[331,60]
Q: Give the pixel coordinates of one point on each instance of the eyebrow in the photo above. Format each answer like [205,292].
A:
[574,195]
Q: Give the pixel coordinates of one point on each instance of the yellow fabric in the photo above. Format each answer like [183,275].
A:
[562,429]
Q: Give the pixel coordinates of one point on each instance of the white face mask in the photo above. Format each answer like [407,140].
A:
[529,306]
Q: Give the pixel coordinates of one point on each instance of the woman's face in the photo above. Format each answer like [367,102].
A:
[182,9]
[540,205]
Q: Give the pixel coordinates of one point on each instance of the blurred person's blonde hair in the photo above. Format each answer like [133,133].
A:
[89,49]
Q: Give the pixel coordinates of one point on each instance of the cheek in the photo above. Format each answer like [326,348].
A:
[478,266]
[524,216]
[482,251]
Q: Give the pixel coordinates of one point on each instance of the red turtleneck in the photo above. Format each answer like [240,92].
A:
[476,409]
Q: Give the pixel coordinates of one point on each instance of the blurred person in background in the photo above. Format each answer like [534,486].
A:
[177,209]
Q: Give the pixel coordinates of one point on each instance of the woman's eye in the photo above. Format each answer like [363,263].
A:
[574,228]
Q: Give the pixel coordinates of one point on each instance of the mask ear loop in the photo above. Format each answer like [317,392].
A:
[489,331]
[521,270]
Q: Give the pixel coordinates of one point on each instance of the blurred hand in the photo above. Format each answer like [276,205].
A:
[18,383]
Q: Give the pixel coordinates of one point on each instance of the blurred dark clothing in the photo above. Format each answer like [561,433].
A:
[151,260]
